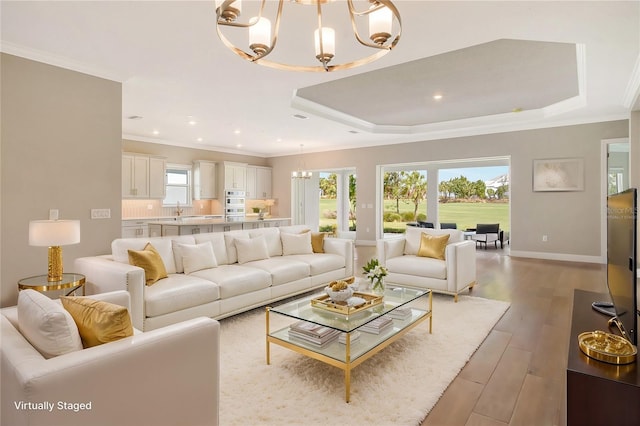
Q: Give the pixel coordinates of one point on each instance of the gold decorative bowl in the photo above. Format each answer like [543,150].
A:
[607,347]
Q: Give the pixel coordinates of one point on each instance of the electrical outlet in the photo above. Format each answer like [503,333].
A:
[53,214]
[544,238]
[100,213]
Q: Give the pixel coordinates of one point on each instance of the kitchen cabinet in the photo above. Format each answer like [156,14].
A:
[226,227]
[258,182]
[234,176]
[143,176]
[134,229]
[204,179]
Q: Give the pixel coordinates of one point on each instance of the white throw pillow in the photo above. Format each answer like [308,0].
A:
[197,257]
[296,243]
[251,249]
[47,325]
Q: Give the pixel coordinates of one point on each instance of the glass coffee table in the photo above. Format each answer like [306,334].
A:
[342,352]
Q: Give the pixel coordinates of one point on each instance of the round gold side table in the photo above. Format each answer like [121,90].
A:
[70,281]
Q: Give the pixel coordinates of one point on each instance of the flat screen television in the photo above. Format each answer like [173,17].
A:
[622,213]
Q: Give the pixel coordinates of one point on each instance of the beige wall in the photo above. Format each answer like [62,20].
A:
[571,220]
[61,144]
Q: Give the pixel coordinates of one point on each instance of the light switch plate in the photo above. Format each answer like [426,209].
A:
[100,213]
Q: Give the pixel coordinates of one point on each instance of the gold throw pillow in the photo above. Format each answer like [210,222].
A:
[98,322]
[317,242]
[148,259]
[433,245]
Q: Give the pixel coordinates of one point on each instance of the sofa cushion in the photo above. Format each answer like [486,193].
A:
[433,246]
[217,242]
[319,263]
[251,249]
[234,280]
[412,237]
[296,243]
[120,250]
[179,292]
[282,269]
[419,266]
[272,237]
[195,257]
[229,241]
[177,254]
[148,259]
[98,321]
[46,324]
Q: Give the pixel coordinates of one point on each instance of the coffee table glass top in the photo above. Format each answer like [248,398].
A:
[301,309]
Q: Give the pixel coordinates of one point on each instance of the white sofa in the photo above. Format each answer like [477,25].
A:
[230,288]
[168,376]
[450,276]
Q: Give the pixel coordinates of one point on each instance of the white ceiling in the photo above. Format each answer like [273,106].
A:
[556,63]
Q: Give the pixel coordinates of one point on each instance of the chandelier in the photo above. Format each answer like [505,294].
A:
[301,173]
[383,32]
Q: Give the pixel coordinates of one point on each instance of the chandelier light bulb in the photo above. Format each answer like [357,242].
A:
[325,44]
[260,35]
[380,24]
[231,12]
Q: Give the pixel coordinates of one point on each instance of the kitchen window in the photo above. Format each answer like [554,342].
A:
[178,183]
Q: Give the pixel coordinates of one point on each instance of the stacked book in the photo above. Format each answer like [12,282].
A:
[378,325]
[313,333]
[400,313]
[355,335]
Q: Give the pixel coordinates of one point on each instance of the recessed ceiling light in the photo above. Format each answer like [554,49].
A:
[237,131]
[300,116]
[279,140]
[191,121]
[239,146]
[135,117]
[199,139]
[437,97]
[155,132]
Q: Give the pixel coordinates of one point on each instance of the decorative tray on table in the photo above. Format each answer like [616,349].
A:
[607,347]
[358,302]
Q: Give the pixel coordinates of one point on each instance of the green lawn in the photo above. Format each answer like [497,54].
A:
[465,215]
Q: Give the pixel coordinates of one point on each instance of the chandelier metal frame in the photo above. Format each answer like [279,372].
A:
[227,16]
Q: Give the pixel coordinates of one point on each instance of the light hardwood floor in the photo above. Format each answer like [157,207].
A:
[517,376]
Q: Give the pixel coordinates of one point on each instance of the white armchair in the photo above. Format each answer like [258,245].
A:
[168,376]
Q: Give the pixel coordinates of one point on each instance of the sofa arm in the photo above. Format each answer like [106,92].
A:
[133,381]
[461,265]
[342,247]
[389,248]
[104,275]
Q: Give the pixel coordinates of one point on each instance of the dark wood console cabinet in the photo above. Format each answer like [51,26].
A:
[598,393]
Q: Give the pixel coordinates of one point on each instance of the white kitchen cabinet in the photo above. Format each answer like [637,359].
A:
[143,176]
[155,230]
[204,179]
[235,176]
[157,178]
[263,182]
[134,229]
[258,182]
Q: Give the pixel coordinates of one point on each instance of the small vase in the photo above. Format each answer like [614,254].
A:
[378,286]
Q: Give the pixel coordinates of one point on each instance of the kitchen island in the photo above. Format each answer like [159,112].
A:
[197,225]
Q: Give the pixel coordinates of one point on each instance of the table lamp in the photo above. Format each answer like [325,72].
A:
[53,234]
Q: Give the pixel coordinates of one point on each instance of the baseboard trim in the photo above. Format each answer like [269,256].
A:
[558,256]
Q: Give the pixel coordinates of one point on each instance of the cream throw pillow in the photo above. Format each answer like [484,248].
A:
[252,249]
[433,246]
[148,259]
[98,322]
[46,325]
[296,243]
[196,257]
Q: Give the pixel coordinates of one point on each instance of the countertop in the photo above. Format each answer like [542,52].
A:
[195,221]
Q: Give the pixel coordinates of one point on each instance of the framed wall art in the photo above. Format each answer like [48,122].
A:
[559,174]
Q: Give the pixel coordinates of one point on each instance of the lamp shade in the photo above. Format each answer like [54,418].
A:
[49,233]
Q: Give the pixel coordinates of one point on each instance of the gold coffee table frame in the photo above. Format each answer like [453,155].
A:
[371,343]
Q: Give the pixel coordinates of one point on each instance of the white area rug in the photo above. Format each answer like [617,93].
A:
[397,386]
